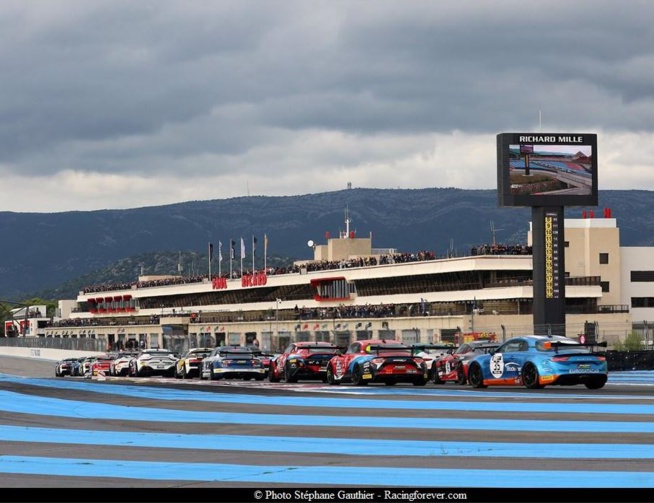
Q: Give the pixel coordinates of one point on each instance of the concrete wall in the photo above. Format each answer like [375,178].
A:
[53,355]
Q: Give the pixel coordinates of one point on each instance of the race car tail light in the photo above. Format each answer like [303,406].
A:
[601,358]
[560,359]
[377,361]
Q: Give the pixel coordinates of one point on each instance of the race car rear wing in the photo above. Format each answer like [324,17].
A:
[490,345]
[318,347]
[602,344]
[415,348]
[433,346]
[235,351]
[558,345]
[390,347]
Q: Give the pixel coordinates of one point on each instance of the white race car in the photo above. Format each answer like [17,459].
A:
[120,364]
[149,362]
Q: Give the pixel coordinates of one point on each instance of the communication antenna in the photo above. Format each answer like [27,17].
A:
[493,230]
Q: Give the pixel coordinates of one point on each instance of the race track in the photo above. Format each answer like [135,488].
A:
[166,433]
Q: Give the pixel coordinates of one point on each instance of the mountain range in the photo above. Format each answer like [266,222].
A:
[53,255]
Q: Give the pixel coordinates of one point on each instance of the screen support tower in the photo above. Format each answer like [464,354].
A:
[549,270]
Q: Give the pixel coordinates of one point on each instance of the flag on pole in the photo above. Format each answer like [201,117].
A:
[242,255]
[220,257]
[210,257]
[254,248]
[265,251]
[233,251]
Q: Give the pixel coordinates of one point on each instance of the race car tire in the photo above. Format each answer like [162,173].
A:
[390,383]
[330,377]
[260,378]
[530,377]
[435,377]
[271,376]
[357,376]
[476,376]
[596,383]
[177,374]
[460,376]
[288,375]
[213,376]
[421,381]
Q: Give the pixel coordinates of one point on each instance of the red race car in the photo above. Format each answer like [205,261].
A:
[302,360]
[378,360]
[454,367]
[101,365]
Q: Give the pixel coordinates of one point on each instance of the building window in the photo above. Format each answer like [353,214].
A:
[566,244]
[642,302]
[605,286]
[642,276]
[604,258]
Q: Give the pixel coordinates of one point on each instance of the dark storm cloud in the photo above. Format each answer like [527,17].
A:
[229,88]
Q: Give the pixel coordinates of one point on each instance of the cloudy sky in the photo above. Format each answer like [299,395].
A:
[126,104]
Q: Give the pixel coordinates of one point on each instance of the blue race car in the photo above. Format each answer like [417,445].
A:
[232,362]
[535,361]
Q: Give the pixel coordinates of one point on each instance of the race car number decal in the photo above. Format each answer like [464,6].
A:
[497,365]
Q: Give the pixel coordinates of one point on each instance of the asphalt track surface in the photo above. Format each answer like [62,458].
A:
[189,440]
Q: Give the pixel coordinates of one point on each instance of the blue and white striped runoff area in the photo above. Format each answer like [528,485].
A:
[57,430]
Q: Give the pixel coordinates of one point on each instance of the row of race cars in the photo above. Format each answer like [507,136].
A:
[532,361]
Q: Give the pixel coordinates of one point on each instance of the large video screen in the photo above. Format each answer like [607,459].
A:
[547,169]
